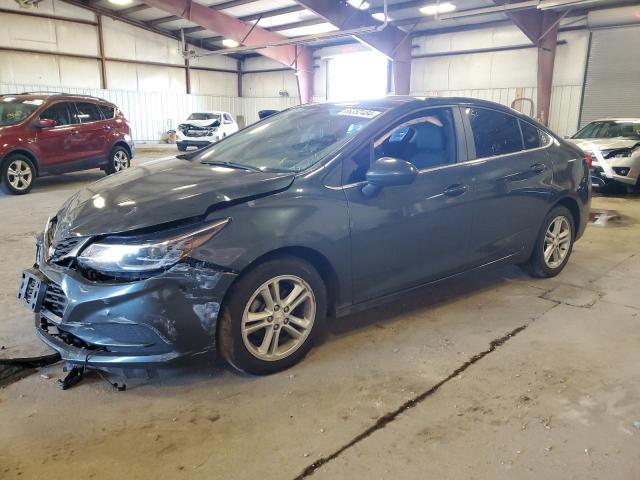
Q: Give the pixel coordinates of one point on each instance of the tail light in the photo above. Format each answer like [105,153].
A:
[588,159]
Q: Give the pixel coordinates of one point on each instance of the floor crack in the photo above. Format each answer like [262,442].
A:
[389,417]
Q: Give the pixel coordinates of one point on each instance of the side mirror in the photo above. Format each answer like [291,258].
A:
[45,123]
[389,172]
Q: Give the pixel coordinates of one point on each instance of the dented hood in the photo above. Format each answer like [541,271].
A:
[161,192]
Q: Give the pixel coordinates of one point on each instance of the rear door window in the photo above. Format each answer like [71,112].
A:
[494,133]
[60,113]
[88,112]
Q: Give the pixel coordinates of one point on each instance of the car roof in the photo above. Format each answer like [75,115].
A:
[394,101]
[57,95]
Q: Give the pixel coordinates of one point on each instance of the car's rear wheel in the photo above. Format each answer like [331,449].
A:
[554,244]
[18,174]
[272,316]
[119,159]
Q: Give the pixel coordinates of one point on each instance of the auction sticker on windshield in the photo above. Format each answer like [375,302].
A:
[359,112]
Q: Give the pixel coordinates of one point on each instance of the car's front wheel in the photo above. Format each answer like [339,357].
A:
[119,159]
[554,244]
[18,173]
[272,316]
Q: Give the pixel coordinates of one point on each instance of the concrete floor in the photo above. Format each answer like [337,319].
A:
[496,375]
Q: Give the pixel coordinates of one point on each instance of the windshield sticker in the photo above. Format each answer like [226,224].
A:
[359,112]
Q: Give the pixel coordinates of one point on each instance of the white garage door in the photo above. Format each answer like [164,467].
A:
[612,86]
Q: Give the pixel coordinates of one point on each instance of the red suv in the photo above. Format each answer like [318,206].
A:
[45,134]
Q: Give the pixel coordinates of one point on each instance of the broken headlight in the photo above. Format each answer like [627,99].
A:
[145,254]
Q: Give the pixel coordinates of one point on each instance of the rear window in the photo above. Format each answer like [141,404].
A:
[88,112]
[494,133]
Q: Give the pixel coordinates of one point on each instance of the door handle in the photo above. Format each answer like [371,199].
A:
[538,167]
[106,128]
[74,132]
[455,190]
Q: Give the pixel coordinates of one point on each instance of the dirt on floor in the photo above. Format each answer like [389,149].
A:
[494,375]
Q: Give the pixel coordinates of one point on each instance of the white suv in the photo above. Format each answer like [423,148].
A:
[204,128]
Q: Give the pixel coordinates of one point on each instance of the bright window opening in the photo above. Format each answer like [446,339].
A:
[357,76]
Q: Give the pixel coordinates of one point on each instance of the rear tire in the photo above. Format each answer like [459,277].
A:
[119,159]
[553,246]
[272,317]
[18,174]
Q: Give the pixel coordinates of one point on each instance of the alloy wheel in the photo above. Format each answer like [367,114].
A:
[278,317]
[120,161]
[19,175]
[557,241]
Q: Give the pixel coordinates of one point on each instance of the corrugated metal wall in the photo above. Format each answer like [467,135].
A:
[565,102]
[153,113]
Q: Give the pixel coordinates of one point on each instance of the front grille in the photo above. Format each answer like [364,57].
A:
[61,248]
[54,300]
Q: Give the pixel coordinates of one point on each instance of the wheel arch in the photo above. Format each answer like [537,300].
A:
[572,205]
[22,151]
[125,145]
[319,261]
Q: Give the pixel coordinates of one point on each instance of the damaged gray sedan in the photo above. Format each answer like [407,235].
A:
[246,246]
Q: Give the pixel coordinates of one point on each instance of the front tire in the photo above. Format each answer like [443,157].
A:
[18,173]
[182,148]
[119,159]
[272,317]
[554,244]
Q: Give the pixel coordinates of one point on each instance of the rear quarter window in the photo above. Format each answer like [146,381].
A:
[108,111]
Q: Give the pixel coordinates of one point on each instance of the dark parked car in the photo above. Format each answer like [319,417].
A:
[45,134]
[246,246]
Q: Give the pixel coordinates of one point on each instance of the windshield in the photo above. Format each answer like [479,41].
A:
[13,110]
[292,140]
[204,116]
[611,129]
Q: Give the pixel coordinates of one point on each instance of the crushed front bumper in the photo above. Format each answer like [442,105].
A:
[140,324]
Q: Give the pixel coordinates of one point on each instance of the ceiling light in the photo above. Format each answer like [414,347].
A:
[436,8]
[120,2]
[230,43]
[362,5]
[379,16]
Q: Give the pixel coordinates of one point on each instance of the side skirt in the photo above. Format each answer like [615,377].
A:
[358,307]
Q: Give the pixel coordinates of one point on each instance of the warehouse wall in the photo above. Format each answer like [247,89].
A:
[502,76]
[499,76]
[267,84]
[153,97]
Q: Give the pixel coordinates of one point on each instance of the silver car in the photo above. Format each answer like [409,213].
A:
[614,144]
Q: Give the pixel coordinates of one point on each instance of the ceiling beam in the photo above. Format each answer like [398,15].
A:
[134,9]
[292,56]
[160,21]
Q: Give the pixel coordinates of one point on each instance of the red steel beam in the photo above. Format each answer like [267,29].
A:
[541,27]
[391,42]
[298,58]
[546,61]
